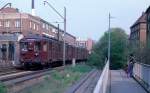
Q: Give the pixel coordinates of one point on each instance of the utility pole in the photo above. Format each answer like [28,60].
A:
[64,47]
[58,32]
[64,40]
[33,7]
[109,50]
[109,38]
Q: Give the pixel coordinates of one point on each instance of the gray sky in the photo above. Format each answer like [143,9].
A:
[87,18]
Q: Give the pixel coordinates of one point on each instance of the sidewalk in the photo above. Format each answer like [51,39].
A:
[121,84]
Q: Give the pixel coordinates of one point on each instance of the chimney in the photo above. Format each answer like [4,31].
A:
[33,8]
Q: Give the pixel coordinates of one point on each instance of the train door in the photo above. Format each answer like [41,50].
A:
[70,52]
[54,51]
[37,51]
[50,51]
[73,52]
[61,50]
[45,51]
[66,52]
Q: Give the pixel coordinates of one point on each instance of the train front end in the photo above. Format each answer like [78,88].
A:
[30,52]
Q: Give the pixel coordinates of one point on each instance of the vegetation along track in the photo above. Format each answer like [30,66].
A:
[15,78]
[87,84]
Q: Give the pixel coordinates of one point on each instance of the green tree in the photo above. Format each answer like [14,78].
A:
[118,56]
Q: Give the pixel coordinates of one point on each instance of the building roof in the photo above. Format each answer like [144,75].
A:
[148,9]
[15,10]
[9,10]
[141,19]
[36,37]
[56,27]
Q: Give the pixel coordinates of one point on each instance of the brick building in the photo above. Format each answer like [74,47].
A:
[12,21]
[148,24]
[15,25]
[138,32]
[88,44]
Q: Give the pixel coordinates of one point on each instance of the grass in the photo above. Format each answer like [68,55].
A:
[59,81]
[3,89]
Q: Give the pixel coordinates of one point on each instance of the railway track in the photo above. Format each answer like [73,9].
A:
[9,71]
[18,81]
[87,84]
[25,75]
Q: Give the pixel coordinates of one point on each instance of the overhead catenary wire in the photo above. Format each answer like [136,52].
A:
[3,2]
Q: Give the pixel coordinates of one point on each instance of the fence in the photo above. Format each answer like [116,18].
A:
[103,81]
[142,74]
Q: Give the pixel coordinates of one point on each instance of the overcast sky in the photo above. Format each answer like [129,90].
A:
[87,18]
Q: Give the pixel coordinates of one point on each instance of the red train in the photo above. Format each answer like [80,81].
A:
[37,50]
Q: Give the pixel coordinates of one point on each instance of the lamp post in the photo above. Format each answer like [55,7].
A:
[109,39]
[109,45]
[64,18]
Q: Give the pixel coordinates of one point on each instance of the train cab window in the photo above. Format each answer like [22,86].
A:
[37,47]
[24,46]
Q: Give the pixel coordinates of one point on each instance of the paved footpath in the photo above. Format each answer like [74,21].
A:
[120,83]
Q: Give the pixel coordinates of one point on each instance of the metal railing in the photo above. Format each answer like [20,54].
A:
[103,81]
[142,74]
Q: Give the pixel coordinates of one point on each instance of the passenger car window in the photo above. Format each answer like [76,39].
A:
[37,46]
[45,47]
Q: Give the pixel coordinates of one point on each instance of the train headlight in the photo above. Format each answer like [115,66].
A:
[36,54]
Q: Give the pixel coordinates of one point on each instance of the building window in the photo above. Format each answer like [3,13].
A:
[54,31]
[34,26]
[1,23]
[7,23]
[17,23]
[46,26]
[50,28]
[30,24]
[37,27]
[43,25]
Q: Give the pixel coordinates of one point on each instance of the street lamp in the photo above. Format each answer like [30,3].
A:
[64,18]
[110,17]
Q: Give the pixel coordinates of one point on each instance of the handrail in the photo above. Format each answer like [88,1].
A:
[143,64]
[102,83]
[141,74]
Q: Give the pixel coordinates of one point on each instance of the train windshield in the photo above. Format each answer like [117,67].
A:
[24,46]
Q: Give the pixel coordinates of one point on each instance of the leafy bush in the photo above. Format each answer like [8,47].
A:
[2,88]
[118,52]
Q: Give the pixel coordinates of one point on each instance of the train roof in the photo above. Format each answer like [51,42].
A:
[33,37]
